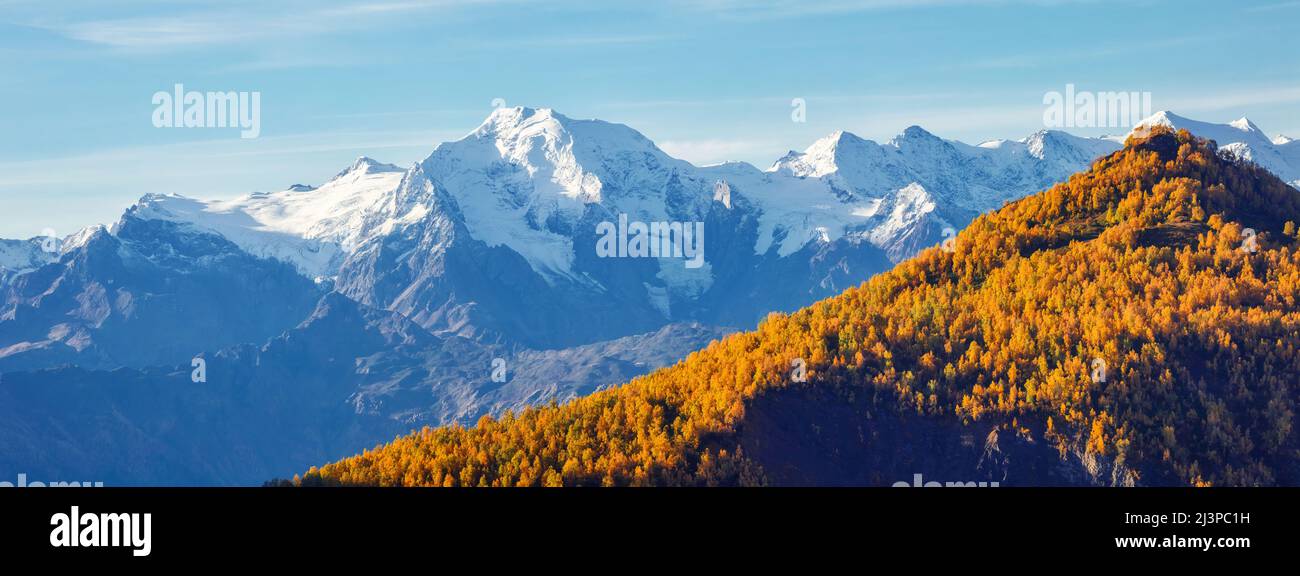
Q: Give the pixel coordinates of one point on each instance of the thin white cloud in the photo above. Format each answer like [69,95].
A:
[219,25]
[780,9]
[400,7]
[189,30]
[578,41]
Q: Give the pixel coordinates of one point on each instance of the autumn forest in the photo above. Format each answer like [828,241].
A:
[1144,315]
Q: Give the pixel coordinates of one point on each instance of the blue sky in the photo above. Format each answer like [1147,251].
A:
[708,80]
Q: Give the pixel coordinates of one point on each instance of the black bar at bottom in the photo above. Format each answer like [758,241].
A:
[937,525]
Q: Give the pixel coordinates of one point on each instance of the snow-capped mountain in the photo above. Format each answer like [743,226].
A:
[375,302]
[904,192]
[495,235]
[312,228]
[525,177]
[1279,155]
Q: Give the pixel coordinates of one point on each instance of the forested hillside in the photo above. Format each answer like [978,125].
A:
[1142,317]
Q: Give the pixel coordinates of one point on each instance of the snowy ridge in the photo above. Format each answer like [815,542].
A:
[886,190]
[1241,137]
[526,177]
[536,182]
[311,228]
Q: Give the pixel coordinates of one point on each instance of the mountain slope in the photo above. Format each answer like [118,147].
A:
[148,293]
[345,378]
[1118,328]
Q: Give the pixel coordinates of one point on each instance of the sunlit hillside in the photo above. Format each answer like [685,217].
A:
[1136,324]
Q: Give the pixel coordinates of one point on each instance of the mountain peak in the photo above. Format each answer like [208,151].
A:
[915,131]
[524,113]
[821,158]
[1245,125]
[573,159]
[833,142]
[367,165]
[913,135]
[504,121]
[524,127]
[1038,142]
[1203,129]
[1163,117]
[84,236]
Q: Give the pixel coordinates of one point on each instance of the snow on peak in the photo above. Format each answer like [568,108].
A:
[82,237]
[312,228]
[513,128]
[822,158]
[1281,139]
[504,120]
[1164,118]
[1240,130]
[527,177]
[1037,143]
[915,132]
[881,192]
[560,156]
[1062,147]
[1242,138]
[1245,125]
[363,165]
